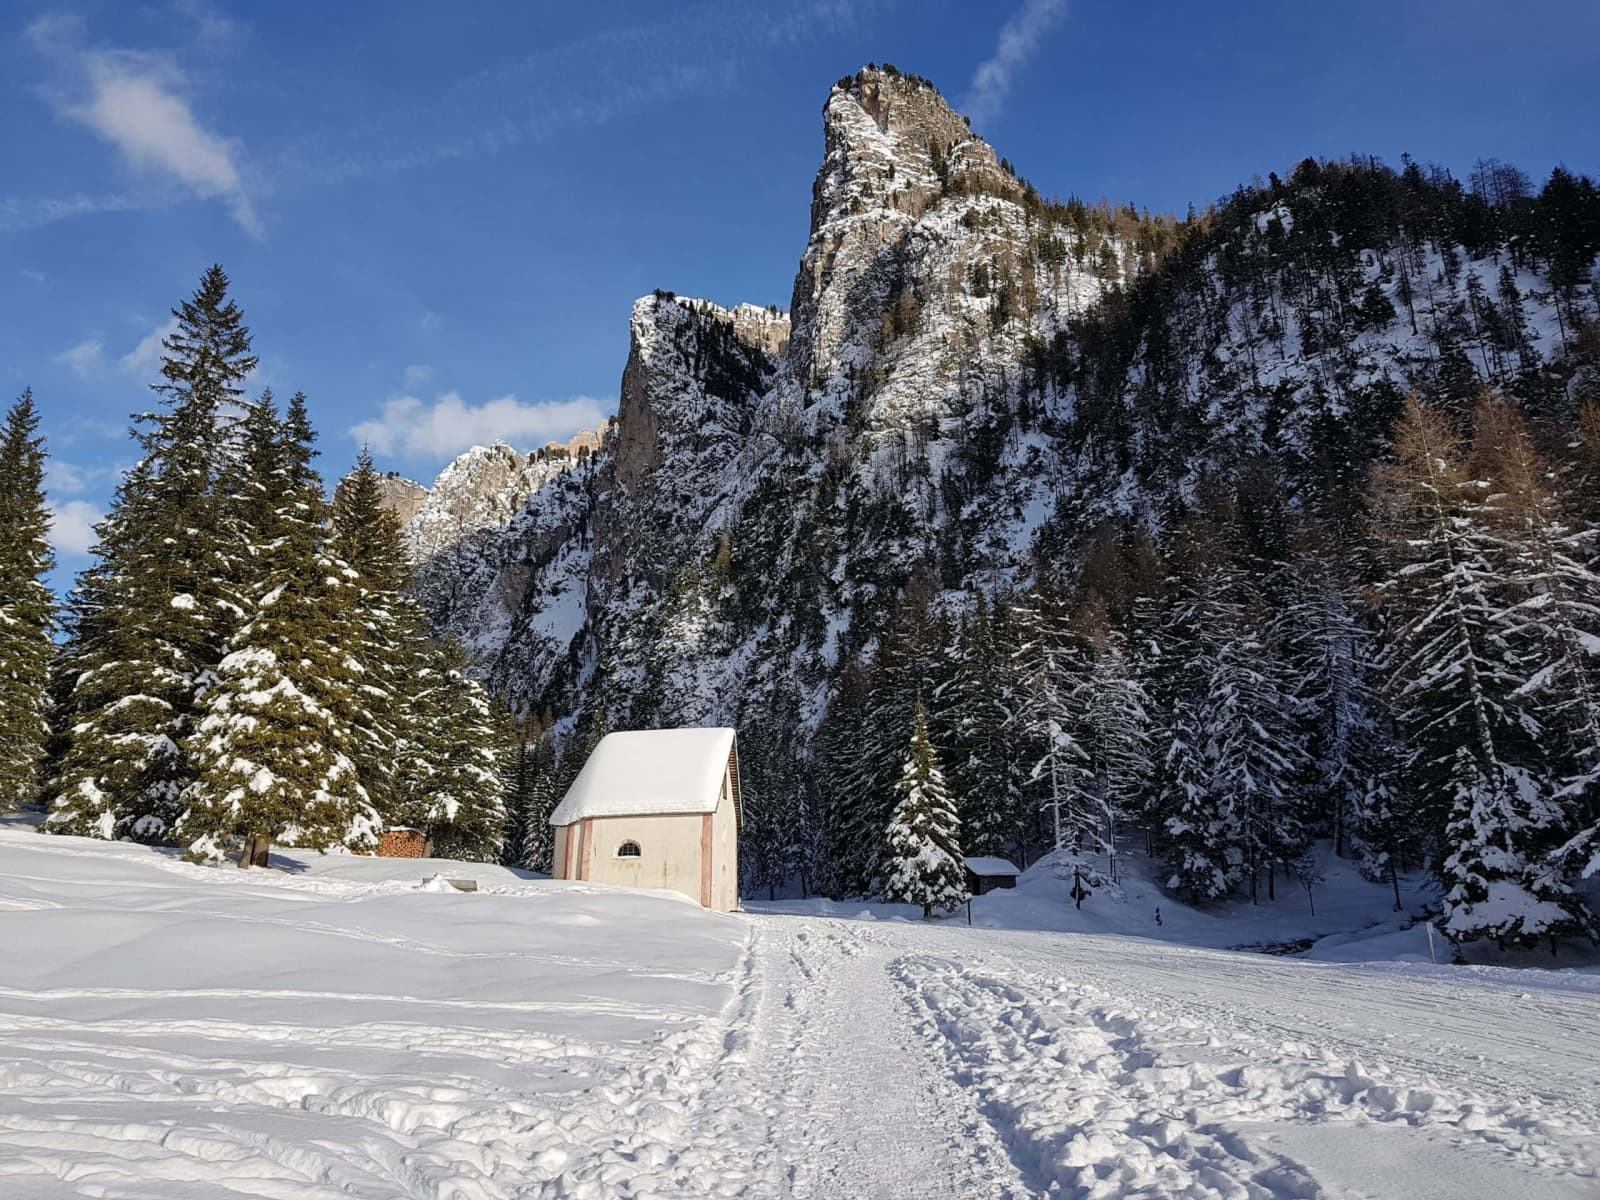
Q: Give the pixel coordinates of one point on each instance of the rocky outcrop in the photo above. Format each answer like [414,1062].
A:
[401,496]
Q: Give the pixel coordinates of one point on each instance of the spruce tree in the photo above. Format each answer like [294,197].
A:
[978,712]
[27,609]
[450,788]
[390,642]
[1050,664]
[922,855]
[148,618]
[543,794]
[272,750]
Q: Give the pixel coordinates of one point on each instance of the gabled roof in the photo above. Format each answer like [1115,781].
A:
[651,772]
[984,864]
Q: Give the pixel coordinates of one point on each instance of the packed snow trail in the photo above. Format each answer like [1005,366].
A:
[932,1061]
[337,1031]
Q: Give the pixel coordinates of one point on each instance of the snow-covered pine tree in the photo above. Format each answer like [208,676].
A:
[1383,824]
[146,619]
[977,710]
[543,794]
[449,787]
[1457,687]
[27,609]
[1116,728]
[1254,752]
[1202,828]
[207,357]
[1050,663]
[1549,601]
[391,635]
[1328,652]
[772,836]
[853,812]
[114,764]
[922,854]
[272,751]
[250,513]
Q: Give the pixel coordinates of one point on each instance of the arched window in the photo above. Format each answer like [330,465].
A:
[629,850]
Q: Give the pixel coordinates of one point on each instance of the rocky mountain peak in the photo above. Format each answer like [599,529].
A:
[693,371]
[483,488]
[895,152]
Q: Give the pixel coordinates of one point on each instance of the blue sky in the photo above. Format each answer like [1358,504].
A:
[436,216]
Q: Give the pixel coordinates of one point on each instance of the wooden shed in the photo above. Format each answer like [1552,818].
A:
[986,873]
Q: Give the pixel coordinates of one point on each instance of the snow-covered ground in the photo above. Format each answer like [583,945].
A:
[336,1029]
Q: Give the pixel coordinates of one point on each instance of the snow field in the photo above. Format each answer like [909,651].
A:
[334,1030]
[172,1031]
[1110,1099]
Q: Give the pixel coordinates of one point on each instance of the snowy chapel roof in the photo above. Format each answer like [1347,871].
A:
[649,772]
[980,864]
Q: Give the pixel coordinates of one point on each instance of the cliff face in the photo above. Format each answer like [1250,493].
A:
[970,380]
[401,496]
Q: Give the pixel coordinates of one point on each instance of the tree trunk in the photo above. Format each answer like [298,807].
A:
[256,848]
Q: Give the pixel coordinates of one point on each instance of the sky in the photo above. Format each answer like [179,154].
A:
[436,216]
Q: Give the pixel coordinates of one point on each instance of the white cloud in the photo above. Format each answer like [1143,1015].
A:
[72,526]
[63,478]
[19,214]
[418,375]
[85,359]
[1019,40]
[134,100]
[430,322]
[144,360]
[88,358]
[409,428]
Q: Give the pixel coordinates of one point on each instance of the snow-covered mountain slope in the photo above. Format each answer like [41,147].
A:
[472,573]
[337,1028]
[971,380]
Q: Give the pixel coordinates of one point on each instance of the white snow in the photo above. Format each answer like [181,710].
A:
[649,772]
[981,864]
[339,1028]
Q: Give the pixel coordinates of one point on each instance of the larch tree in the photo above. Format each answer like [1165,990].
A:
[1548,601]
[27,609]
[1457,685]
[922,855]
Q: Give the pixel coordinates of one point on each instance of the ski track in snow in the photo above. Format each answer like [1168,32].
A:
[621,1045]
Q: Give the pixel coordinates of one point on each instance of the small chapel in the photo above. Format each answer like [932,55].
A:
[656,808]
